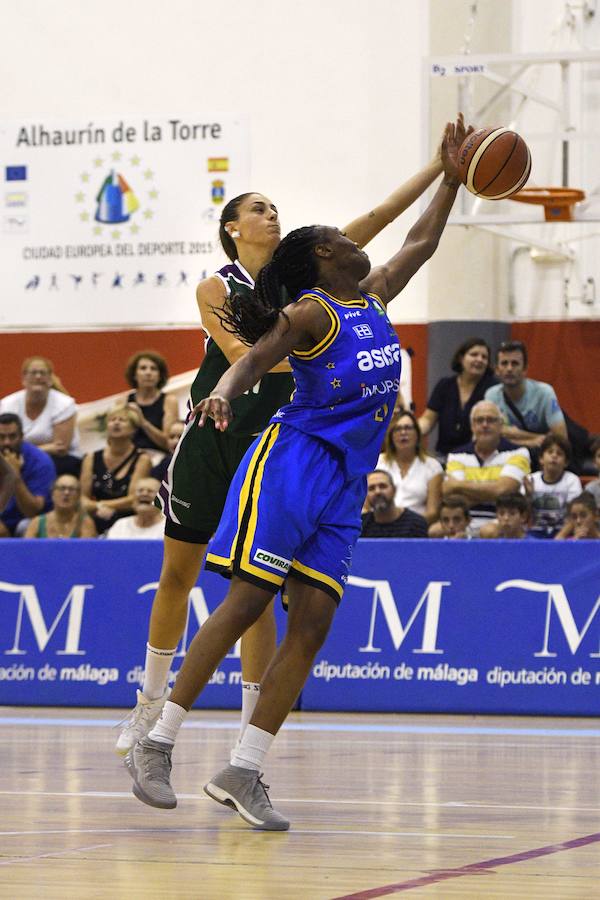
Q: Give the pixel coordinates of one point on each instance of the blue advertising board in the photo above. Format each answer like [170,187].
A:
[424,626]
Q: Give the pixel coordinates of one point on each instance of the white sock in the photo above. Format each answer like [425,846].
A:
[250,695]
[167,727]
[156,671]
[253,748]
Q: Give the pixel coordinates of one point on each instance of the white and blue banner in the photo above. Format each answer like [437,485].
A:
[424,626]
[114,221]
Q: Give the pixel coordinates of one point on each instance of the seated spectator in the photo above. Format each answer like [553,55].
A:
[593,487]
[529,408]
[454,518]
[582,520]
[47,413]
[513,514]
[552,488]
[147,373]
[485,468]
[147,523]
[109,476]
[33,476]
[67,519]
[385,518]
[8,480]
[417,477]
[453,398]
[160,470]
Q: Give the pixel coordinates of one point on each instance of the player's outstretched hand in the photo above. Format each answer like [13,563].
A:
[454,135]
[214,407]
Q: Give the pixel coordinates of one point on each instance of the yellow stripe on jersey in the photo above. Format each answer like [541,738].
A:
[248,538]
[329,337]
[318,576]
[243,500]
[359,303]
[520,462]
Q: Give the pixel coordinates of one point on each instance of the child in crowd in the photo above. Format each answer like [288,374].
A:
[593,487]
[551,489]
[582,520]
[455,518]
[513,513]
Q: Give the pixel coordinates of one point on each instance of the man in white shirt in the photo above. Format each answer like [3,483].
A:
[147,523]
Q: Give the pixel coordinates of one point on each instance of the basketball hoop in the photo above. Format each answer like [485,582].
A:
[558,201]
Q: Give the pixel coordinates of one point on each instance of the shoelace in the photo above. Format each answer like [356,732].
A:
[265,787]
[154,764]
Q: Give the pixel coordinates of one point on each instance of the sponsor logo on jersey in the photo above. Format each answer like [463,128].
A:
[383,387]
[270,559]
[363,331]
[181,502]
[353,315]
[279,414]
[378,358]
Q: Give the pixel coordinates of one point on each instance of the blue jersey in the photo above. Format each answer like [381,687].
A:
[346,385]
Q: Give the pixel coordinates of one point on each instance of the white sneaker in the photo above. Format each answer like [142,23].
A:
[140,722]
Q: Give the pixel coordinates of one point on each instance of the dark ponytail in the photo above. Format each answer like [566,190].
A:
[230,214]
[293,268]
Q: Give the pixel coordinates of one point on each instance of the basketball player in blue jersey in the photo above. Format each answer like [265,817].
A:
[340,344]
[194,490]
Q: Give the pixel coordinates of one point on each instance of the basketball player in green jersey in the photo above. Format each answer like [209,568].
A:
[193,494]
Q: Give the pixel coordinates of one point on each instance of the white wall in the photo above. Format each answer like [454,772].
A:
[331,88]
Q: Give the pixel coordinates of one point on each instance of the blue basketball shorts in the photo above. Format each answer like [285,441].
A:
[290,512]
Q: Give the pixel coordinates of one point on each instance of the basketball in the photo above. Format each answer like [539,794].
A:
[494,162]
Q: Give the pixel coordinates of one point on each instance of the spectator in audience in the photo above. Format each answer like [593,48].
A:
[147,374]
[453,398]
[385,518]
[582,520]
[67,519]
[454,518]
[33,475]
[47,413]
[513,514]
[529,408]
[109,476]
[148,522]
[593,487]
[8,480]
[552,488]
[417,477]
[486,467]
[159,471]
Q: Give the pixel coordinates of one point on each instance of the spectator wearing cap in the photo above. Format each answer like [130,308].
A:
[530,408]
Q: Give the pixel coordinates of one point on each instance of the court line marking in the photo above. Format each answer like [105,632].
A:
[448,804]
[315,831]
[472,869]
[215,725]
[25,859]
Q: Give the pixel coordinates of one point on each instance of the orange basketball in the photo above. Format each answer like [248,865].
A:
[494,163]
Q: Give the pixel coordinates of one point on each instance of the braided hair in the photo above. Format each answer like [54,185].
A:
[293,268]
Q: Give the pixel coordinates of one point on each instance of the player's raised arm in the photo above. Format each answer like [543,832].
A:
[422,240]
[364,228]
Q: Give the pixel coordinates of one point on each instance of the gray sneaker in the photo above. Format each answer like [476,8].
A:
[242,790]
[149,764]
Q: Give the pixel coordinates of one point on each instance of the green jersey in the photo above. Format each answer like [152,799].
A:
[251,411]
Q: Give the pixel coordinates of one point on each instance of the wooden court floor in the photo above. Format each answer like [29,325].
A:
[467,807]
